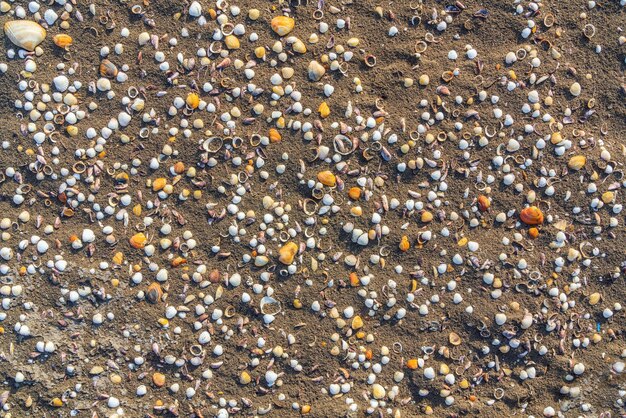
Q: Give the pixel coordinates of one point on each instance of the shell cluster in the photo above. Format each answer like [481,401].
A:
[312,208]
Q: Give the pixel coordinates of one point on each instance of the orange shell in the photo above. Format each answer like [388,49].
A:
[533,232]
[404,244]
[275,135]
[62,41]
[138,240]
[531,215]
[154,293]
[483,203]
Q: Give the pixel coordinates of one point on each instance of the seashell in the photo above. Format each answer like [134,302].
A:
[531,215]
[483,203]
[62,41]
[25,33]
[274,135]
[594,298]
[324,110]
[232,42]
[154,293]
[454,338]
[327,178]
[270,306]
[316,71]
[575,89]
[108,69]
[577,162]
[193,100]
[138,240]
[287,253]
[282,25]
[404,244]
[299,47]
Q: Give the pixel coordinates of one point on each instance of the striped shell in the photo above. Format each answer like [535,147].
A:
[25,33]
[531,215]
[62,40]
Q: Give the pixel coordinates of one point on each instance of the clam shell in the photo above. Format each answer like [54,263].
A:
[25,33]
[282,25]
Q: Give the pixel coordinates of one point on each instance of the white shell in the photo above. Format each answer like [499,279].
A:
[25,33]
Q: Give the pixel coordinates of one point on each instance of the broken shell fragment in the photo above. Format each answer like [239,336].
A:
[270,306]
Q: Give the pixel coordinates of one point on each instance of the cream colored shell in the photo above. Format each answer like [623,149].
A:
[25,33]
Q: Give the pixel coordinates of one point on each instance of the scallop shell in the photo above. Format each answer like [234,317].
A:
[531,215]
[25,33]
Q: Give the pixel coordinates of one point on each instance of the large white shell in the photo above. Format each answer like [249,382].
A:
[25,33]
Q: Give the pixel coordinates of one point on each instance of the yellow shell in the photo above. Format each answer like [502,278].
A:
[324,110]
[25,33]
[299,47]
[232,42]
[138,240]
[193,100]
[287,253]
[282,25]
[275,135]
[327,178]
[62,41]
[577,162]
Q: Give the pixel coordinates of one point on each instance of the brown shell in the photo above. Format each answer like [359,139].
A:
[531,215]
[154,293]
[483,203]
[108,69]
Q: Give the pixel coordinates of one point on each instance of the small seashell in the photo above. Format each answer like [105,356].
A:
[154,293]
[108,69]
[483,203]
[327,178]
[357,322]
[316,71]
[274,135]
[575,89]
[577,162]
[324,110]
[232,42]
[299,47]
[25,33]
[62,41]
[287,253]
[594,298]
[454,338]
[138,240]
[404,244]
[531,215]
[193,100]
[282,25]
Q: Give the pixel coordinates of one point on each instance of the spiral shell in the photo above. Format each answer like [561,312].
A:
[531,215]
[25,33]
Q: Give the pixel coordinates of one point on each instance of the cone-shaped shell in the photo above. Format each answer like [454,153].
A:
[25,33]
[282,25]
[532,215]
